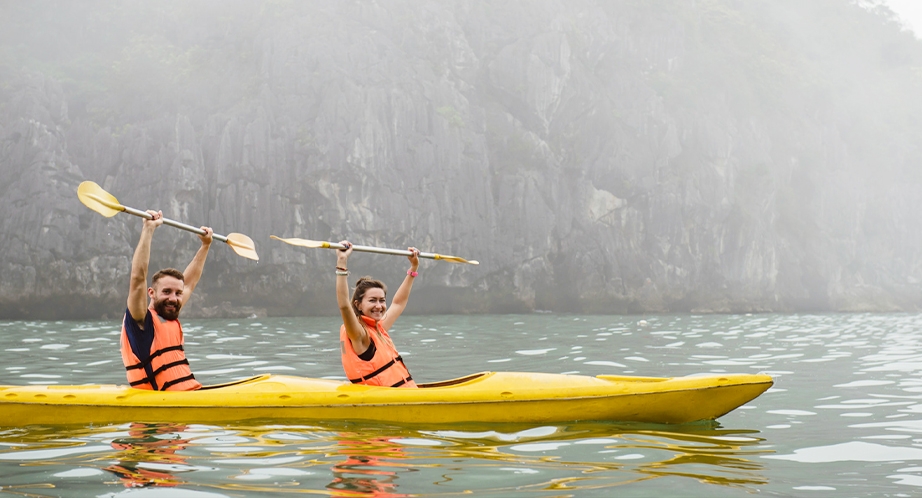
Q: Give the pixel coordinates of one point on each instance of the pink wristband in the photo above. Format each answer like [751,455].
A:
[412,273]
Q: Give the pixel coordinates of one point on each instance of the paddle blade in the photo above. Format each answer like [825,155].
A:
[454,259]
[97,199]
[310,244]
[242,245]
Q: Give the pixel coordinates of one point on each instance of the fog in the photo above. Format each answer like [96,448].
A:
[595,156]
[909,12]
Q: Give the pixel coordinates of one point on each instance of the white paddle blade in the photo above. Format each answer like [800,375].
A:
[242,245]
[310,244]
[97,199]
[453,259]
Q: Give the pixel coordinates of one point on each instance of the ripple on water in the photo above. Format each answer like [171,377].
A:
[865,383]
[235,449]
[709,345]
[793,413]
[260,461]
[172,467]
[727,363]
[909,480]
[270,472]
[605,364]
[520,470]
[79,473]
[163,492]
[852,451]
[533,352]
[536,447]
[629,456]
[535,432]
[51,454]
[253,363]
[410,441]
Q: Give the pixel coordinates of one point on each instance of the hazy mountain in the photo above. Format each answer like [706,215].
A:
[595,156]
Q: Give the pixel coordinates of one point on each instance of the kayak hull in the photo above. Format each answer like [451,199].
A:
[487,397]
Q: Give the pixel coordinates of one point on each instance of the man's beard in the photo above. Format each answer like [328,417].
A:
[161,308]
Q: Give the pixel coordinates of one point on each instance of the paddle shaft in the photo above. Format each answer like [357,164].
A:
[172,223]
[382,250]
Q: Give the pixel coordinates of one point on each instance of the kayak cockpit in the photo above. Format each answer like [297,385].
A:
[444,383]
[249,380]
[458,381]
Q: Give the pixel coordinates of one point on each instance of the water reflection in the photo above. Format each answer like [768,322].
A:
[370,467]
[848,392]
[149,455]
[346,461]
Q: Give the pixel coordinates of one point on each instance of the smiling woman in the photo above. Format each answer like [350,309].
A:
[368,353]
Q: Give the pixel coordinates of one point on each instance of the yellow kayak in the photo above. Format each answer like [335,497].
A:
[485,397]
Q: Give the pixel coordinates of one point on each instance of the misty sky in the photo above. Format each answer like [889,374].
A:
[910,11]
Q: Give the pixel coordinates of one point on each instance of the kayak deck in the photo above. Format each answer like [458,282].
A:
[492,397]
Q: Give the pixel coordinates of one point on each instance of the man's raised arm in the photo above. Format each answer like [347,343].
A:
[193,272]
[137,289]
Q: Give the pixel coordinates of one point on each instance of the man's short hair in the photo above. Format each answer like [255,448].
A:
[167,272]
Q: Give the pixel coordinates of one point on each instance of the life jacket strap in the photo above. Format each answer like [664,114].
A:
[177,381]
[402,382]
[378,371]
[151,379]
[170,365]
[152,356]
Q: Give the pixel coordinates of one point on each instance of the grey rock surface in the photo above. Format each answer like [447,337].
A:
[564,145]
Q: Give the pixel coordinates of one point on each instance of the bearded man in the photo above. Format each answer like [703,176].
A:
[152,338]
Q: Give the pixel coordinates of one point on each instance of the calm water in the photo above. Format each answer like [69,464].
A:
[844,417]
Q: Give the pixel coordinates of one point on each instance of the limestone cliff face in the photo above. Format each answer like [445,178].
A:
[578,150]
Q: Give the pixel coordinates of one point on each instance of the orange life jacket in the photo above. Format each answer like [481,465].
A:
[385,369]
[167,360]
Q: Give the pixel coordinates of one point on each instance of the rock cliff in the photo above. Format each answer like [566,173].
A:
[605,157]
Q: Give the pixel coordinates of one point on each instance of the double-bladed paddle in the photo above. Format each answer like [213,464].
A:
[317,244]
[94,197]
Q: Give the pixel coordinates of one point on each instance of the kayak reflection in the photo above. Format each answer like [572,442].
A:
[370,468]
[148,455]
[623,454]
[345,460]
